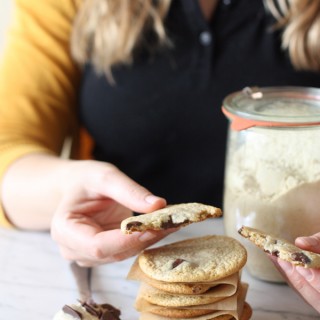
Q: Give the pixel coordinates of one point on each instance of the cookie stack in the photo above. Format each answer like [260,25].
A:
[198,278]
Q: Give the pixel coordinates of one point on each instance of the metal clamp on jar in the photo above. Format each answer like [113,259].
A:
[272,178]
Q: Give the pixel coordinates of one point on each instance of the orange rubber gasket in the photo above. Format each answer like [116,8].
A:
[239,123]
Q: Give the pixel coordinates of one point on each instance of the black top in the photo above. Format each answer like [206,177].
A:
[162,122]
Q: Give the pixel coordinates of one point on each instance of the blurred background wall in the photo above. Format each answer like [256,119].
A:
[6,10]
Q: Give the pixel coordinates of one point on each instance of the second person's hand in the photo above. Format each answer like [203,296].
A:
[305,281]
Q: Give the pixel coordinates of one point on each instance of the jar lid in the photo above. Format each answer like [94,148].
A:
[273,107]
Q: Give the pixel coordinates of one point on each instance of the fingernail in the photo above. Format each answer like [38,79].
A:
[151,198]
[306,273]
[147,236]
[309,241]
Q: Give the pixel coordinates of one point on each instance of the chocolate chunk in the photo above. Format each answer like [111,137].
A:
[170,224]
[177,262]
[301,257]
[111,313]
[74,313]
[107,315]
[133,224]
[111,308]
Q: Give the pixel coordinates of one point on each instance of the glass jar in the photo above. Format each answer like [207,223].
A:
[272,178]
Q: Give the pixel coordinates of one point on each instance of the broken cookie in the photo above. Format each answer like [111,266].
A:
[281,248]
[173,216]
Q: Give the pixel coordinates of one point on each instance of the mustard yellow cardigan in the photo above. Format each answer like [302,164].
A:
[38,82]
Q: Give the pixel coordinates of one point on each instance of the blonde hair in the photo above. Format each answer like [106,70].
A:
[108,32]
[300,20]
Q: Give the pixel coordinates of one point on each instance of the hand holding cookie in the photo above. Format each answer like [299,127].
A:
[306,281]
[299,263]
[86,222]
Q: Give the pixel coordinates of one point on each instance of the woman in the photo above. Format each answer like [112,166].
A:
[146,79]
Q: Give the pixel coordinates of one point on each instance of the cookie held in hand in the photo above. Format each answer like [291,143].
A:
[281,248]
[172,216]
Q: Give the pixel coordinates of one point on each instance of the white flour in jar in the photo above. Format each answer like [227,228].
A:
[272,183]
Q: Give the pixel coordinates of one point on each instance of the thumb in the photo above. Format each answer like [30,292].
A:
[116,185]
[310,243]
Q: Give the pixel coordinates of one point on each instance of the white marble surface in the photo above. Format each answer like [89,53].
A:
[35,281]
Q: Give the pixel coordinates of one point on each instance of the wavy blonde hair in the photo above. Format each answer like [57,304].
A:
[107,32]
[300,20]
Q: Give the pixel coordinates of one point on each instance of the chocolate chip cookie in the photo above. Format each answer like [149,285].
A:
[172,216]
[205,258]
[281,248]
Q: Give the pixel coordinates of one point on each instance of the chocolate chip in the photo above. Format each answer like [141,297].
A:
[170,224]
[177,262]
[111,308]
[301,257]
[72,312]
[107,315]
[133,224]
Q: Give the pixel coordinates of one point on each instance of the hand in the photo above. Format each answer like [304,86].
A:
[86,223]
[305,281]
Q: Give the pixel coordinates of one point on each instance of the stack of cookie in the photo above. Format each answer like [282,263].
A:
[198,278]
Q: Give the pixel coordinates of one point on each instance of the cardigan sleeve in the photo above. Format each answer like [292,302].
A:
[38,82]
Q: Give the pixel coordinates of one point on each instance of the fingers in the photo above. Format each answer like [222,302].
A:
[122,246]
[93,206]
[111,246]
[115,184]
[312,276]
[305,281]
[311,243]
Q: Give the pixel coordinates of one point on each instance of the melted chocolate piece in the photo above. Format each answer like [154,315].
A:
[301,257]
[170,224]
[133,224]
[74,313]
[177,262]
